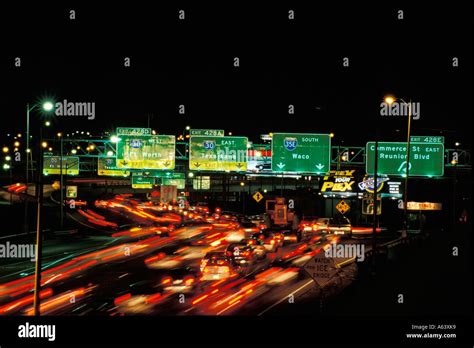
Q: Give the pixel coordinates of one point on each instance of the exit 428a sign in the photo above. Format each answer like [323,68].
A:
[426,159]
[218,153]
[301,153]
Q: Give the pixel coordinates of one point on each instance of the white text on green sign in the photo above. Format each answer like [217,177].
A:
[218,153]
[301,153]
[425,159]
[207,132]
[146,152]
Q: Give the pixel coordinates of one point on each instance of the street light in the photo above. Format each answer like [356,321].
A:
[390,100]
[60,136]
[45,106]
[114,139]
[5,149]
[48,106]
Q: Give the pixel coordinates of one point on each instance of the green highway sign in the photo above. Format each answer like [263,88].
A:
[133,131]
[207,132]
[179,183]
[146,152]
[142,182]
[301,153]
[159,174]
[52,165]
[218,153]
[108,166]
[427,139]
[426,159]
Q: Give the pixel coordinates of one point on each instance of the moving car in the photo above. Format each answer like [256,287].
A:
[322,225]
[215,266]
[181,280]
[290,236]
[308,226]
[243,254]
[258,220]
[245,230]
[307,223]
[365,230]
[340,226]
[272,241]
[258,246]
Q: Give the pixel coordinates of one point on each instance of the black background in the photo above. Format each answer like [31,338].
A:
[282,62]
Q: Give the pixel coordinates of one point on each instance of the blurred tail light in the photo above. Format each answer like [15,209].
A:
[188,280]
[122,298]
[166,280]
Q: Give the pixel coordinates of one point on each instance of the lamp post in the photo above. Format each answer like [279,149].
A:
[374,227]
[389,100]
[8,166]
[454,163]
[46,106]
[60,136]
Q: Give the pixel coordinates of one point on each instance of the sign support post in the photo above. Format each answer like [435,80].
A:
[374,228]
[405,212]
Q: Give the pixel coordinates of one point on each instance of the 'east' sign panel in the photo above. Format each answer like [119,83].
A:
[218,153]
[301,153]
[108,166]
[426,159]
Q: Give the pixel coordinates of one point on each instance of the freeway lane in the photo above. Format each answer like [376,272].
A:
[54,251]
[154,268]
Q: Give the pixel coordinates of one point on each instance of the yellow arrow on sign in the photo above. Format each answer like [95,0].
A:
[257,196]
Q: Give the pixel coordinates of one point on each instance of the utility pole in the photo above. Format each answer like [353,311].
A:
[62,182]
[405,203]
[374,228]
[28,151]
[39,236]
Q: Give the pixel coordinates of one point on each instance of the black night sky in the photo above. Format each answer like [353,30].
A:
[119,234]
[282,62]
